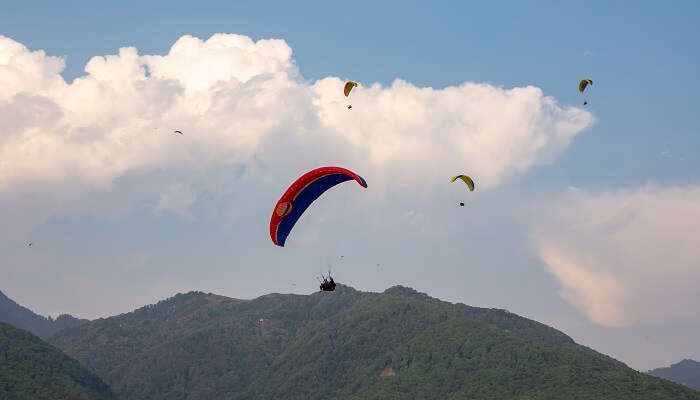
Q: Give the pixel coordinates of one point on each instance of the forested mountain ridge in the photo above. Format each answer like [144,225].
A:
[31,369]
[24,318]
[345,344]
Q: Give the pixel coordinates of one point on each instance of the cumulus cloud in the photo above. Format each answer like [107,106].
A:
[235,99]
[627,256]
[490,131]
[116,118]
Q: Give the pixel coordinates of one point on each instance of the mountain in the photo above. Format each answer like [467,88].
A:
[21,317]
[345,344]
[34,370]
[686,372]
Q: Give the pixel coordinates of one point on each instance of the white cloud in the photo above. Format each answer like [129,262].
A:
[627,256]
[116,119]
[235,99]
[489,131]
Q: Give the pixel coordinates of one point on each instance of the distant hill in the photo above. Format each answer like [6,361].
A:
[686,372]
[21,317]
[347,345]
[34,370]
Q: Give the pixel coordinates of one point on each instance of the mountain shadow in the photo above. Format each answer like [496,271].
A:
[24,318]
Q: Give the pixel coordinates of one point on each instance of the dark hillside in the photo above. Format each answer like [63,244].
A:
[34,370]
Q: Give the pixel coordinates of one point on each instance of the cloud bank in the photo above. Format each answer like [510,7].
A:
[627,256]
[241,102]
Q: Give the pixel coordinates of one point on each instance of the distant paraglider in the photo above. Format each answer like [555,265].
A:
[582,86]
[348,88]
[467,180]
[178,132]
[301,194]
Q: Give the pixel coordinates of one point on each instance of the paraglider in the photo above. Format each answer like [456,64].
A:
[466,179]
[178,132]
[301,194]
[582,86]
[348,88]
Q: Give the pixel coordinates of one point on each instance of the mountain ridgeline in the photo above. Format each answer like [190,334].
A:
[345,344]
[686,372]
[23,318]
[31,369]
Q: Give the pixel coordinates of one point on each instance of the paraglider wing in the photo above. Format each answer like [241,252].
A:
[466,179]
[582,85]
[348,87]
[301,194]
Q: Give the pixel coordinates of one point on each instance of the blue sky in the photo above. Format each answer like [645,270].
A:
[643,61]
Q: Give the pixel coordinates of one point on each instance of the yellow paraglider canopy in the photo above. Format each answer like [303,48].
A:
[466,179]
[582,85]
[348,87]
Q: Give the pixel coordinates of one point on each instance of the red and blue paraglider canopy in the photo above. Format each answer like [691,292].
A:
[301,194]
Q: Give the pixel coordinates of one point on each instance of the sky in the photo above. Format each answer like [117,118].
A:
[585,218]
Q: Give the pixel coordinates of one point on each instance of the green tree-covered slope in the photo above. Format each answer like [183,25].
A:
[346,344]
[31,369]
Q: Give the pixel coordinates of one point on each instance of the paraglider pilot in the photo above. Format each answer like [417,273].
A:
[328,285]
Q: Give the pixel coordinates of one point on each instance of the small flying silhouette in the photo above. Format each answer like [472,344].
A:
[461,204]
[30,244]
[178,132]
